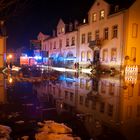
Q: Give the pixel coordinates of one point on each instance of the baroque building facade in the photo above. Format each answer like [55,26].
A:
[103,39]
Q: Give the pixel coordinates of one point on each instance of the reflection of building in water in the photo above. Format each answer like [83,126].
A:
[113,104]
[130,110]
[2,89]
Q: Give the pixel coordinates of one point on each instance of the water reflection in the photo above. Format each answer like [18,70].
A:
[107,106]
[101,107]
[3,97]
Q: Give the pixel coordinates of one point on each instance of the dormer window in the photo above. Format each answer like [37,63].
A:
[63,29]
[116,8]
[94,17]
[102,14]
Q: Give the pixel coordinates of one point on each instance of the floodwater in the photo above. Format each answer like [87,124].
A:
[95,107]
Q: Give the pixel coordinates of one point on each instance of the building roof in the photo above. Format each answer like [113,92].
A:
[119,4]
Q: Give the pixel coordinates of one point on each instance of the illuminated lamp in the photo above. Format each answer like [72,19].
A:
[38,57]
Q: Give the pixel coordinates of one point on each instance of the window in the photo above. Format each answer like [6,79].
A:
[66,94]
[97,34]
[103,86]
[71,96]
[54,90]
[82,56]
[54,47]
[89,37]
[83,39]
[102,107]
[102,14]
[133,54]
[73,41]
[110,110]
[88,55]
[111,88]
[82,83]
[134,30]
[129,112]
[62,29]
[60,43]
[94,17]
[88,85]
[138,110]
[106,33]
[67,42]
[81,100]
[105,55]
[50,45]
[113,54]
[139,90]
[116,8]
[93,105]
[115,31]
[86,102]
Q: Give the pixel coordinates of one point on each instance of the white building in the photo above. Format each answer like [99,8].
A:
[100,39]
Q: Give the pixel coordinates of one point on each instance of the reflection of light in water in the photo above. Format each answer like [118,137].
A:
[10,80]
[131,73]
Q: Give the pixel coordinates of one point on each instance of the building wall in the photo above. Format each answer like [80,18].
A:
[2,51]
[100,25]
[132,49]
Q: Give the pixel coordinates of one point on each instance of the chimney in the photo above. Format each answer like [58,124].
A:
[75,24]
[54,33]
[70,26]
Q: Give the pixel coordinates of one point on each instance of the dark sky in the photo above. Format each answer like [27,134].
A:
[42,16]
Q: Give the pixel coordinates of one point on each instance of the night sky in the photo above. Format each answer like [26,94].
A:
[42,16]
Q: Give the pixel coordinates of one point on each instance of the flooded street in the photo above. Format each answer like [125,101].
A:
[96,108]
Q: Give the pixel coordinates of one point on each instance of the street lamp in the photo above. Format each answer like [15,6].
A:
[10,56]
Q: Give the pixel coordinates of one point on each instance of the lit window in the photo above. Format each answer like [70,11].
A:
[89,37]
[102,14]
[115,31]
[94,17]
[97,34]
[63,29]
[82,56]
[87,84]
[83,39]
[81,83]
[113,54]
[106,33]
[88,55]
